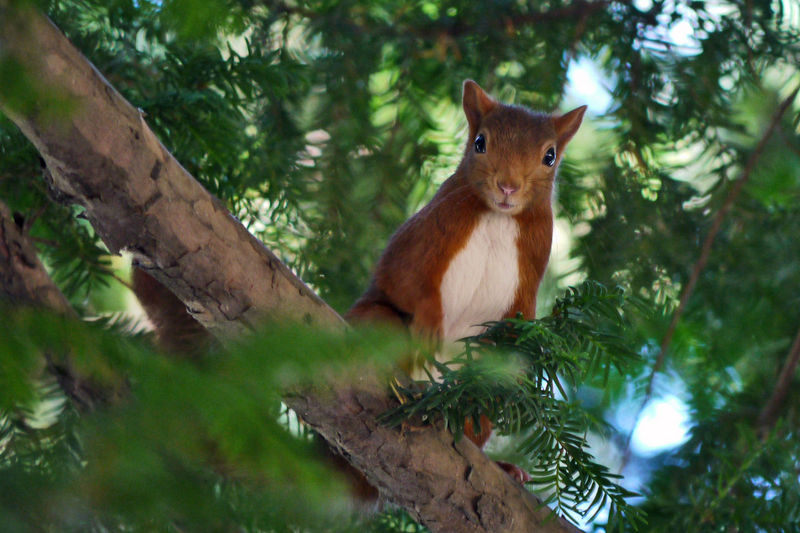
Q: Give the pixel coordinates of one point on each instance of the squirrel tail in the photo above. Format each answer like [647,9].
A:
[176,330]
[374,308]
[178,333]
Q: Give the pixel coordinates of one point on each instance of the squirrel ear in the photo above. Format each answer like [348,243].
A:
[477,104]
[567,124]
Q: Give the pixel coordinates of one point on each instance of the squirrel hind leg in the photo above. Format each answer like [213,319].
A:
[367,311]
[484,430]
[481,436]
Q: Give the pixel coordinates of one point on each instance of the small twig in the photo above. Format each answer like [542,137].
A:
[705,253]
[41,240]
[120,280]
[770,412]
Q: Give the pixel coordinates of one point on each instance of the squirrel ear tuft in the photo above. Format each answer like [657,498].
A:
[477,104]
[567,124]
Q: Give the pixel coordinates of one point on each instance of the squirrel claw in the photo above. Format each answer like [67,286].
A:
[407,426]
[516,473]
[395,385]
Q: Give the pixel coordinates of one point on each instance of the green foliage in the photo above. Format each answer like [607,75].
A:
[395,521]
[727,475]
[526,380]
[22,94]
[324,124]
[197,445]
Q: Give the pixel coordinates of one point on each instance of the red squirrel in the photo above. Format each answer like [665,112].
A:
[477,252]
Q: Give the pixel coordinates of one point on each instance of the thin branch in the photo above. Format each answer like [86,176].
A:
[705,253]
[119,280]
[769,414]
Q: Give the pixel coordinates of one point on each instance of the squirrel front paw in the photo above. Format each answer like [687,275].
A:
[516,473]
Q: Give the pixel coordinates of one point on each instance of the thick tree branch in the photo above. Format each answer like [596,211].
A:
[449,486]
[24,281]
[139,198]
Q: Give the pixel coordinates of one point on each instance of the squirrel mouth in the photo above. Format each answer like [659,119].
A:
[505,205]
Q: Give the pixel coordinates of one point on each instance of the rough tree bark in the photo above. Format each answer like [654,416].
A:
[139,198]
[24,281]
[23,278]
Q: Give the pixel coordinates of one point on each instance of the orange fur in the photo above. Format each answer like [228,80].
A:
[177,332]
[405,285]
[405,288]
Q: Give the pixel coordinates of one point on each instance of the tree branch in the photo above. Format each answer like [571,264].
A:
[705,253]
[769,414]
[24,281]
[137,197]
[716,225]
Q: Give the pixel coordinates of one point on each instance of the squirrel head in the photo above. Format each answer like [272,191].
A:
[512,153]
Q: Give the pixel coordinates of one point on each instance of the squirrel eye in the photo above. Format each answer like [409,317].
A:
[550,157]
[480,144]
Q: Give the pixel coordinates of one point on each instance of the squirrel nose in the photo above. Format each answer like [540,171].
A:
[507,189]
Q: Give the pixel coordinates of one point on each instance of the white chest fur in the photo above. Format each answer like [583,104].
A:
[481,281]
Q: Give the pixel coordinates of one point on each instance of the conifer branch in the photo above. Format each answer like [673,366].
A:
[138,197]
[769,414]
[581,10]
[705,253]
[527,389]
[25,282]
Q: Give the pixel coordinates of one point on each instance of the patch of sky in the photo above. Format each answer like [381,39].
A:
[663,425]
[680,29]
[586,84]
